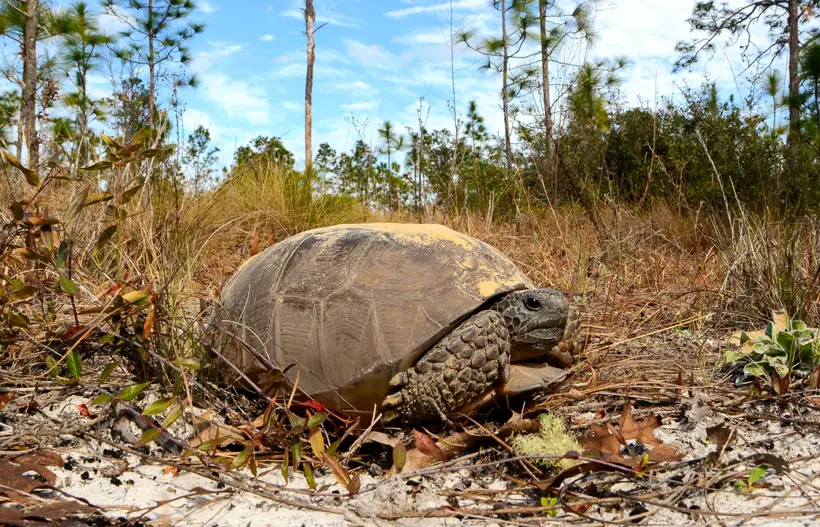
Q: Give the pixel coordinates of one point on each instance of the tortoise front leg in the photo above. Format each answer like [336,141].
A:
[457,370]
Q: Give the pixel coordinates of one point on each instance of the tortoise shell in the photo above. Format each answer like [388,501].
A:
[352,305]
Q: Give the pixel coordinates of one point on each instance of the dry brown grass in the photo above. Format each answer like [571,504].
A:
[635,272]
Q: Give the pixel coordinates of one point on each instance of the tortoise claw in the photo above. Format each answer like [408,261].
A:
[393,400]
[399,380]
[390,416]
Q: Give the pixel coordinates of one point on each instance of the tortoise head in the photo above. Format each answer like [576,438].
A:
[537,320]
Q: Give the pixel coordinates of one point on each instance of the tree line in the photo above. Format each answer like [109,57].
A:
[569,141]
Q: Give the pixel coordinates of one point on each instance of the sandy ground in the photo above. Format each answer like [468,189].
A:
[129,486]
[783,434]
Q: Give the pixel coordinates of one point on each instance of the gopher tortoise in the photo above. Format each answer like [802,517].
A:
[417,321]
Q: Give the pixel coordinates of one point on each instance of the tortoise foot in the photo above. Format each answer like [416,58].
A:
[466,363]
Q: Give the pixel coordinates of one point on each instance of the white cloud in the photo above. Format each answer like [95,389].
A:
[292,106]
[359,106]
[238,99]
[424,37]
[438,7]
[371,56]
[267,37]
[206,7]
[324,15]
[113,20]
[203,60]
[356,88]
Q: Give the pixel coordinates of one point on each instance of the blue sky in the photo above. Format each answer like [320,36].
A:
[376,58]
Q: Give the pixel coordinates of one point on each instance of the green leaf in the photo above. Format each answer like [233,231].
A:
[308,471]
[17,210]
[23,292]
[110,142]
[103,398]
[106,235]
[16,319]
[173,416]
[240,460]
[285,464]
[68,285]
[316,419]
[107,372]
[32,178]
[97,198]
[138,298]
[786,342]
[399,456]
[150,435]
[74,364]
[76,203]
[99,165]
[734,356]
[131,392]
[191,363]
[754,370]
[159,406]
[296,448]
[129,194]
[53,367]
[331,450]
[757,473]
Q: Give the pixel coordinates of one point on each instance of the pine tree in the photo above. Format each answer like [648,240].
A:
[82,52]
[158,33]
[788,22]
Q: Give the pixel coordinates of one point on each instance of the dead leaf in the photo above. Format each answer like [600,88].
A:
[719,435]
[355,484]
[255,244]
[338,470]
[606,441]
[207,430]
[780,384]
[85,412]
[426,445]
[6,398]
[640,430]
[414,461]
[171,470]
[149,324]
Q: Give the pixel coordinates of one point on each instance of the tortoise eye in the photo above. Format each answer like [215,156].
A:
[532,303]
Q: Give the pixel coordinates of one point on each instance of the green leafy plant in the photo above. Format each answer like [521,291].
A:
[786,348]
[550,505]
[747,486]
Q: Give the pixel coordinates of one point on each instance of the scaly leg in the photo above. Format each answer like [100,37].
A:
[459,369]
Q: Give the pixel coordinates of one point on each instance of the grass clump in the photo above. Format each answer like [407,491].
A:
[551,440]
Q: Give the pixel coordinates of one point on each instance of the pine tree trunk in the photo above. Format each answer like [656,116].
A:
[310,17]
[545,76]
[794,90]
[83,152]
[151,65]
[505,95]
[28,114]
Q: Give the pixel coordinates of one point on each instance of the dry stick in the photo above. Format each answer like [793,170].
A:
[667,328]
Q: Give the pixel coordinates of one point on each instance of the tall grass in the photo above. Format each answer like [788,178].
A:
[771,265]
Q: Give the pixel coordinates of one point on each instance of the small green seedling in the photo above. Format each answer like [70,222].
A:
[784,349]
[550,505]
[746,486]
